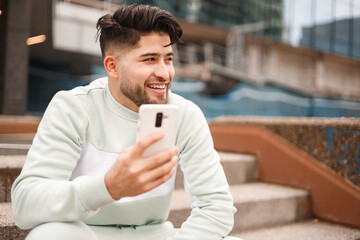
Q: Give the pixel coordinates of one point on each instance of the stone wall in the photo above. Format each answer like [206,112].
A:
[335,142]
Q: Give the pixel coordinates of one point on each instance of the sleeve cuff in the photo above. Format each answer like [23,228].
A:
[93,192]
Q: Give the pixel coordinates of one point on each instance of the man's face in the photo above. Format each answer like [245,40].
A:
[146,72]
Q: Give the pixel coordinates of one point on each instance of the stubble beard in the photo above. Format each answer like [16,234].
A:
[137,94]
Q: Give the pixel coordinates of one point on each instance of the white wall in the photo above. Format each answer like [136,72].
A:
[74,28]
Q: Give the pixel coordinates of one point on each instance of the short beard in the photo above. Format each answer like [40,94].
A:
[136,94]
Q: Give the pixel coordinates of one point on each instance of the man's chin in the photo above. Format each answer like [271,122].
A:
[158,100]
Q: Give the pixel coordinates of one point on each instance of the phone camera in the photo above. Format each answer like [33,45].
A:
[159,117]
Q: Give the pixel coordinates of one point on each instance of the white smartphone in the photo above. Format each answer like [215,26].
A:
[158,117]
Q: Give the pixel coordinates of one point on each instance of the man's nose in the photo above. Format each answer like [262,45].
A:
[162,71]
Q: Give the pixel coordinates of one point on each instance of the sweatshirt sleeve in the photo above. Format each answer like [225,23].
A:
[43,191]
[212,213]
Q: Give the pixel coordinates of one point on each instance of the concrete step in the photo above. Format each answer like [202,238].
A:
[8,229]
[307,230]
[239,168]
[10,168]
[258,205]
[15,144]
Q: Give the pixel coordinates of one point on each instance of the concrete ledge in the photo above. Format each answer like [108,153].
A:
[18,124]
[334,198]
[258,205]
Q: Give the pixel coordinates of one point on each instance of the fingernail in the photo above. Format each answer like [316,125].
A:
[177,150]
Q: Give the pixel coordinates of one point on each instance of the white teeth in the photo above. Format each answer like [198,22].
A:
[157,86]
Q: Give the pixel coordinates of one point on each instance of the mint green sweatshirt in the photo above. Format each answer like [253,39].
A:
[81,134]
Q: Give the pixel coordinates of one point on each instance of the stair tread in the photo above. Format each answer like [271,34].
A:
[6,216]
[246,192]
[241,193]
[12,161]
[8,229]
[309,230]
[259,191]
[238,168]
[17,161]
[235,157]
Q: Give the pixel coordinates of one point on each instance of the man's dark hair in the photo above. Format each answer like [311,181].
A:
[130,22]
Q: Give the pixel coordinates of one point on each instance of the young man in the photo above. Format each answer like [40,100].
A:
[85,178]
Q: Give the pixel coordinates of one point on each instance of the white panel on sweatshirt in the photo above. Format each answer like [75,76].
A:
[93,162]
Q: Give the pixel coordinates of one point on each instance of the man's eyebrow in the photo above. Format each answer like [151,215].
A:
[149,55]
[154,54]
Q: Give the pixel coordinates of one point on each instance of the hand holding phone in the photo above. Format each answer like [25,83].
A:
[131,175]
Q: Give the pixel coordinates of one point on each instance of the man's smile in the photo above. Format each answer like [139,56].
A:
[157,88]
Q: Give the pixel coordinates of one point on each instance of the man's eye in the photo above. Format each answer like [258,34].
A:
[149,59]
[169,59]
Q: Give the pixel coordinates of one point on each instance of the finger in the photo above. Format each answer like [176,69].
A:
[161,180]
[161,158]
[162,170]
[145,142]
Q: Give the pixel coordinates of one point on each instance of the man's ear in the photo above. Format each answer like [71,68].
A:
[111,66]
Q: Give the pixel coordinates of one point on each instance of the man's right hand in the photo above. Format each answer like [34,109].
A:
[132,174]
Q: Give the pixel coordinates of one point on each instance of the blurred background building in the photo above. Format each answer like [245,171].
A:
[239,57]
